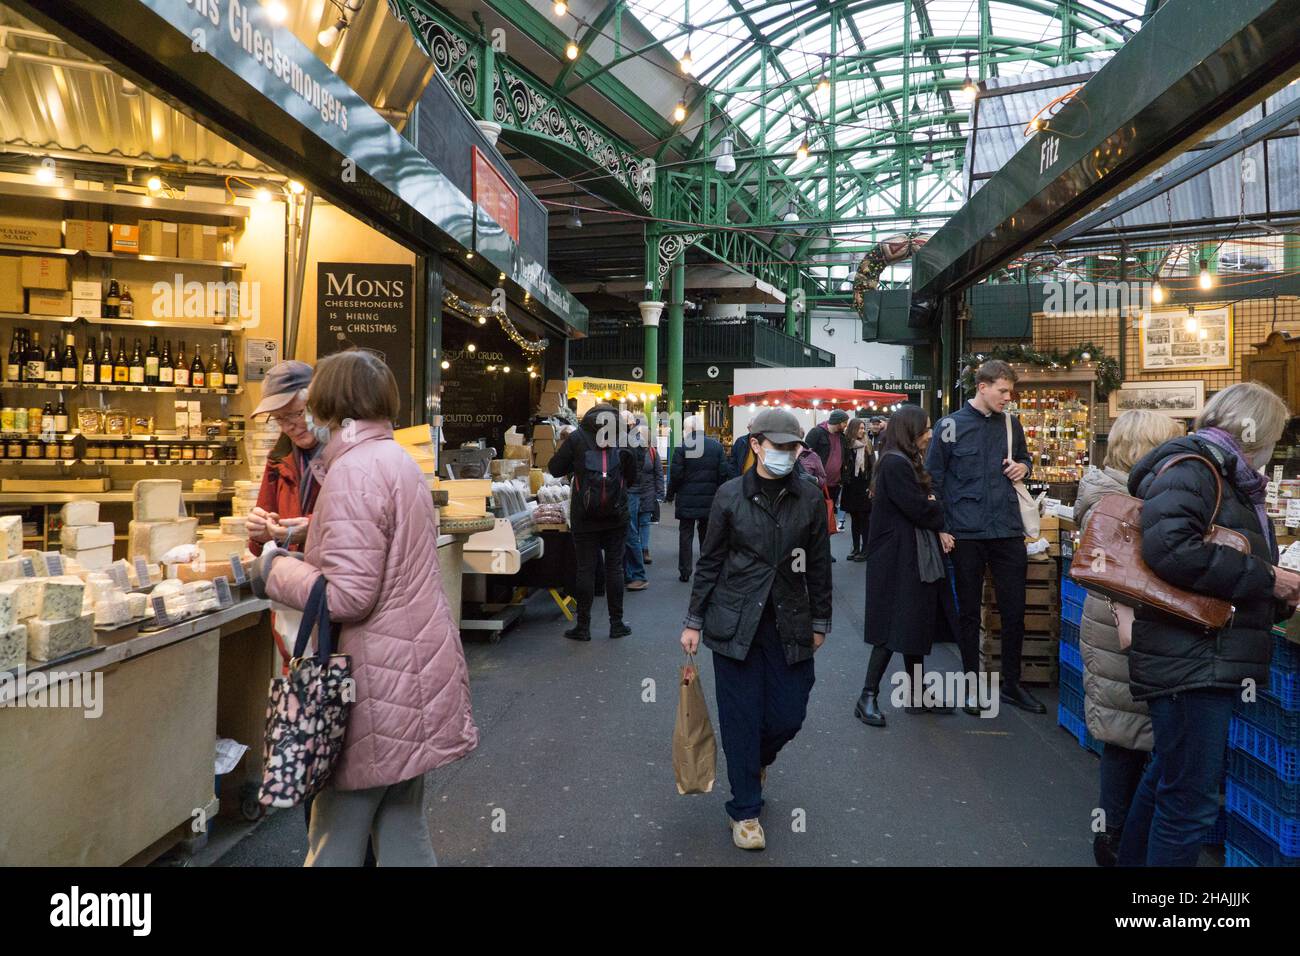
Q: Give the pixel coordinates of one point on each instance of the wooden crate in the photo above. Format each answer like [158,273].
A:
[1039,595]
[1043,622]
[1032,670]
[1040,648]
[1041,571]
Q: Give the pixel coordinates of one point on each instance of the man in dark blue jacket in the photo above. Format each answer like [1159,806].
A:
[693,480]
[973,475]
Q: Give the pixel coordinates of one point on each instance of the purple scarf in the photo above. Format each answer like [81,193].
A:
[1252,482]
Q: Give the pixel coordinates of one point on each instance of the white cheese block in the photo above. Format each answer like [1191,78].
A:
[153,539]
[157,499]
[202,596]
[11,568]
[235,525]
[11,532]
[219,549]
[13,647]
[92,559]
[112,612]
[47,640]
[77,514]
[138,604]
[166,588]
[99,586]
[60,598]
[87,537]
[25,595]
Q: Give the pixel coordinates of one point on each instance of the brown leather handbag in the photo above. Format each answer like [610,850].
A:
[1108,559]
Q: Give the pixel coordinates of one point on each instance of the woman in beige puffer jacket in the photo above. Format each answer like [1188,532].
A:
[1113,716]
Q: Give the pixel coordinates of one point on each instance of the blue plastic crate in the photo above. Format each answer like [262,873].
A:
[1234,857]
[1281,829]
[1071,690]
[1248,840]
[1262,781]
[1071,657]
[1285,687]
[1072,591]
[1071,612]
[1267,713]
[1070,633]
[1286,655]
[1281,759]
[1077,728]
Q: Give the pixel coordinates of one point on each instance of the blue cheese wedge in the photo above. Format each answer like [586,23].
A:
[13,647]
[60,598]
[23,597]
[11,533]
[47,640]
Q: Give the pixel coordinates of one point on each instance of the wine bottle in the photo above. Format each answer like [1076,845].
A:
[181,371]
[214,370]
[137,365]
[106,376]
[198,375]
[14,370]
[151,361]
[165,370]
[69,370]
[53,364]
[121,368]
[231,372]
[61,418]
[88,368]
[35,360]
[112,300]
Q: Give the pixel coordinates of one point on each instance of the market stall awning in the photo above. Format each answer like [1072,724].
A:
[821,398]
[612,388]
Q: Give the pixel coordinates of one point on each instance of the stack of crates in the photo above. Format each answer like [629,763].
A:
[1069,711]
[1038,657]
[1263,786]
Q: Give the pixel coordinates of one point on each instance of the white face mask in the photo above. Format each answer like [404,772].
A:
[779,463]
[321,432]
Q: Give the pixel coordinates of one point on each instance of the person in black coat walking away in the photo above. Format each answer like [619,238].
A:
[856,497]
[643,495]
[602,471]
[694,477]
[762,598]
[1190,680]
[909,601]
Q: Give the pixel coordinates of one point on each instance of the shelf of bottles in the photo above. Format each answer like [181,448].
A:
[1057,430]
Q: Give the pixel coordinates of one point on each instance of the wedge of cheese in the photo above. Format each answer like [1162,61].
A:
[80,513]
[152,539]
[87,537]
[59,599]
[47,640]
[157,499]
[11,533]
[24,598]
[92,559]
[11,568]
[236,526]
[13,647]
[218,549]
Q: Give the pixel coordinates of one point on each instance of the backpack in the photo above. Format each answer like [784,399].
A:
[598,478]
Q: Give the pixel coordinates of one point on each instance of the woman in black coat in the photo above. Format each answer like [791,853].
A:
[1192,680]
[904,613]
[855,498]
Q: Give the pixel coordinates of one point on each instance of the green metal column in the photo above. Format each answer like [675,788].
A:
[650,363]
[791,328]
[485,86]
[1291,252]
[676,323]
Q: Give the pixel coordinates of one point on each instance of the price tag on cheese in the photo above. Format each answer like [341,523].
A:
[1277,474]
[161,617]
[1271,493]
[1293,512]
[224,597]
[29,569]
[237,570]
[118,574]
[54,562]
[142,571]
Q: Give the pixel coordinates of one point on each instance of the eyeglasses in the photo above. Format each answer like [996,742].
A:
[293,418]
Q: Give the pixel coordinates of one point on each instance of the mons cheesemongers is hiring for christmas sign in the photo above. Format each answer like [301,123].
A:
[367,305]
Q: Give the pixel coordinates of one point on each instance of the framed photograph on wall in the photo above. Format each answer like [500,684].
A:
[1175,399]
[1182,341]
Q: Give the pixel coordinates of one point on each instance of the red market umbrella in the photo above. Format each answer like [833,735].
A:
[822,399]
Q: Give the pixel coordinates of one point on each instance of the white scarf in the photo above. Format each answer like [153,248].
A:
[859,456]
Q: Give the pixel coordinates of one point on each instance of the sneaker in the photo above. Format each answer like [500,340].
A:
[637,585]
[747,834]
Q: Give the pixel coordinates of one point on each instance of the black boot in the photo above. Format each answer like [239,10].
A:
[868,709]
[1105,847]
[1017,696]
[619,629]
[581,631]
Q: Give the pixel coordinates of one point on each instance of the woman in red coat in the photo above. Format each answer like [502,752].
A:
[288,493]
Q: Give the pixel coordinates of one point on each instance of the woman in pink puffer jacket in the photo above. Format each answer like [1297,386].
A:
[374,537]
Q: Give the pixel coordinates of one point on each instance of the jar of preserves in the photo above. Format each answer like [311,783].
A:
[7,419]
[51,450]
[122,452]
[13,448]
[187,452]
[164,451]
[32,449]
[137,451]
[151,452]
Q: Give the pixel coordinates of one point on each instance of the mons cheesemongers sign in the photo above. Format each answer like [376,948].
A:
[367,305]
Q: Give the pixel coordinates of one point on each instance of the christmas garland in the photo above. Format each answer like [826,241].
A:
[484,312]
[1107,368]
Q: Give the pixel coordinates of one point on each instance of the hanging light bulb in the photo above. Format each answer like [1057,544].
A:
[154,184]
[679,111]
[574,221]
[296,187]
[969,88]
[1190,324]
[262,194]
[824,84]
[44,172]
[687,62]
[571,50]
[791,214]
[330,34]
[560,8]
[726,162]
[1157,292]
[1204,279]
[445,364]
[802,151]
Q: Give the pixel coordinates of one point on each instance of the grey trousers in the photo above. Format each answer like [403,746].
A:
[393,817]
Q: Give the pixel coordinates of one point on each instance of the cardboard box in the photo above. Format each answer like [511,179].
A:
[31,222]
[182,409]
[87,234]
[124,238]
[550,404]
[45,272]
[189,240]
[43,302]
[87,290]
[11,284]
[545,432]
[211,243]
[151,237]
[169,239]
[543,446]
[519,453]
[555,385]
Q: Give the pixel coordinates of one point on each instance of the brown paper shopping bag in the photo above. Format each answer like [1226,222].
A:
[695,753]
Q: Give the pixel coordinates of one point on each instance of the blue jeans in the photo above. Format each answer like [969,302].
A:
[1177,802]
[1121,774]
[638,539]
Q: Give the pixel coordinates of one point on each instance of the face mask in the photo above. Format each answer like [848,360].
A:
[321,432]
[779,463]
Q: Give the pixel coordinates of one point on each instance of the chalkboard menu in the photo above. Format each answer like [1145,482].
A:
[368,305]
[479,398]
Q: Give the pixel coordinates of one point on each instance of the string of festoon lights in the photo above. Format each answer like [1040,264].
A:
[482,313]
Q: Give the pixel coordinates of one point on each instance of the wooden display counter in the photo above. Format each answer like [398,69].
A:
[87,789]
